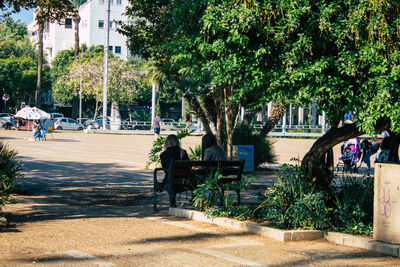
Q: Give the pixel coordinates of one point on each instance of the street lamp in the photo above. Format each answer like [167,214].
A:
[5,99]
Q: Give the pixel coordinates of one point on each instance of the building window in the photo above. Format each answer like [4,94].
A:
[110,48]
[110,24]
[111,2]
[68,23]
[119,2]
[101,24]
[117,50]
[101,2]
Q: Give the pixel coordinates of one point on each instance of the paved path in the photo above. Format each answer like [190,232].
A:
[88,203]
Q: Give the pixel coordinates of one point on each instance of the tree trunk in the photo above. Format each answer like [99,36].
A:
[318,162]
[277,113]
[96,110]
[231,113]
[75,98]
[40,65]
[129,112]
[115,122]
[196,107]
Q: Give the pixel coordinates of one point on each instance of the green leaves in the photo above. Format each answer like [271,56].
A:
[10,172]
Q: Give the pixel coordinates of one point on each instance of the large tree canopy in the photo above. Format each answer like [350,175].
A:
[17,63]
[341,54]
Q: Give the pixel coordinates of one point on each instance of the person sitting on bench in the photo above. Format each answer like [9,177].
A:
[172,150]
[210,150]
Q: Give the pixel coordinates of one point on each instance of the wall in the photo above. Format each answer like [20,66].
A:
[387,202]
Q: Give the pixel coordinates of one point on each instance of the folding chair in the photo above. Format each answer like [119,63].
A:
[50,130]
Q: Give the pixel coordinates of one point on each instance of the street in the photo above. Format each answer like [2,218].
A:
[88,202]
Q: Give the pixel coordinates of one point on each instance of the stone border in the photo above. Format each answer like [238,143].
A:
[290,236]
[364,243]
[279,235]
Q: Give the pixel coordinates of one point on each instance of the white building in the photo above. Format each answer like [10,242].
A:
[60,36]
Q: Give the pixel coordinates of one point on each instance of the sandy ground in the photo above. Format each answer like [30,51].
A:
[88,203]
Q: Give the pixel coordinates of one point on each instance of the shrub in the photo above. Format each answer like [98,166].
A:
[10,171]
[244,135]
[292,203]
[353,205]
[211,192]
[195,154]
[141,115]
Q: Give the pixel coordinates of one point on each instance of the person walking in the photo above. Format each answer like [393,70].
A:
[157,125]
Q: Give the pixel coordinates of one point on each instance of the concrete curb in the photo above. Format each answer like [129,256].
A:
[364,243]
[279,235]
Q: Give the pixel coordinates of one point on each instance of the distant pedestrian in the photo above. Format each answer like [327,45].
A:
[349,118]
[157,125]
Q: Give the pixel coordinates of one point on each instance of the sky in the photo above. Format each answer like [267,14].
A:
[24,15]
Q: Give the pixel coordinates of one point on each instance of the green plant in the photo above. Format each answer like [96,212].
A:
[195,154]
[241,213]
[141,115]
[292,203]
[10,171]
[154,154]
[244,134]
[211,192]
[353,205]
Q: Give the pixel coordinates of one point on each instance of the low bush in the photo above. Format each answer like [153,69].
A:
[244,134]
[292,204]
[195,154]
[211,192]
[10,172]
[353,206]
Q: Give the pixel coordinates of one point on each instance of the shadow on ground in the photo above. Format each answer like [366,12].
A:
[62,190]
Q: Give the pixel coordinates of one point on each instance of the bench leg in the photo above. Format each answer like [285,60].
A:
[155,199]
[172,197]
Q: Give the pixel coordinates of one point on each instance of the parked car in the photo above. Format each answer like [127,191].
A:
[68,124]
[97,124]
[4,118]
[167,124]
[130,125]
[55,116]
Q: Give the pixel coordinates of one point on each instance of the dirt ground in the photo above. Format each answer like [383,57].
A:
[88,202]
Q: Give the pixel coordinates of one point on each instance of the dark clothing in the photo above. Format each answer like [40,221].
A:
[173,152]
[214,153]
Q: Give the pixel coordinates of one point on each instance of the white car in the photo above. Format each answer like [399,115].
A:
[4,118]
[55,116]
[68,124]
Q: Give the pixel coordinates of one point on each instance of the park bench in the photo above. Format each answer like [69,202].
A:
[182,176]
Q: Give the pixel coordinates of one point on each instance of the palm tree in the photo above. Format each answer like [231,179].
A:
[40,21]
[76,19]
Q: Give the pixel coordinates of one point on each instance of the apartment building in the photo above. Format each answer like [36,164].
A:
[60,36]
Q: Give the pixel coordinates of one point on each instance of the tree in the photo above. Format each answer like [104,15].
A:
[343,56]
[124,79]
[219,49]
[46,11]
[76,18]
[17,62]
